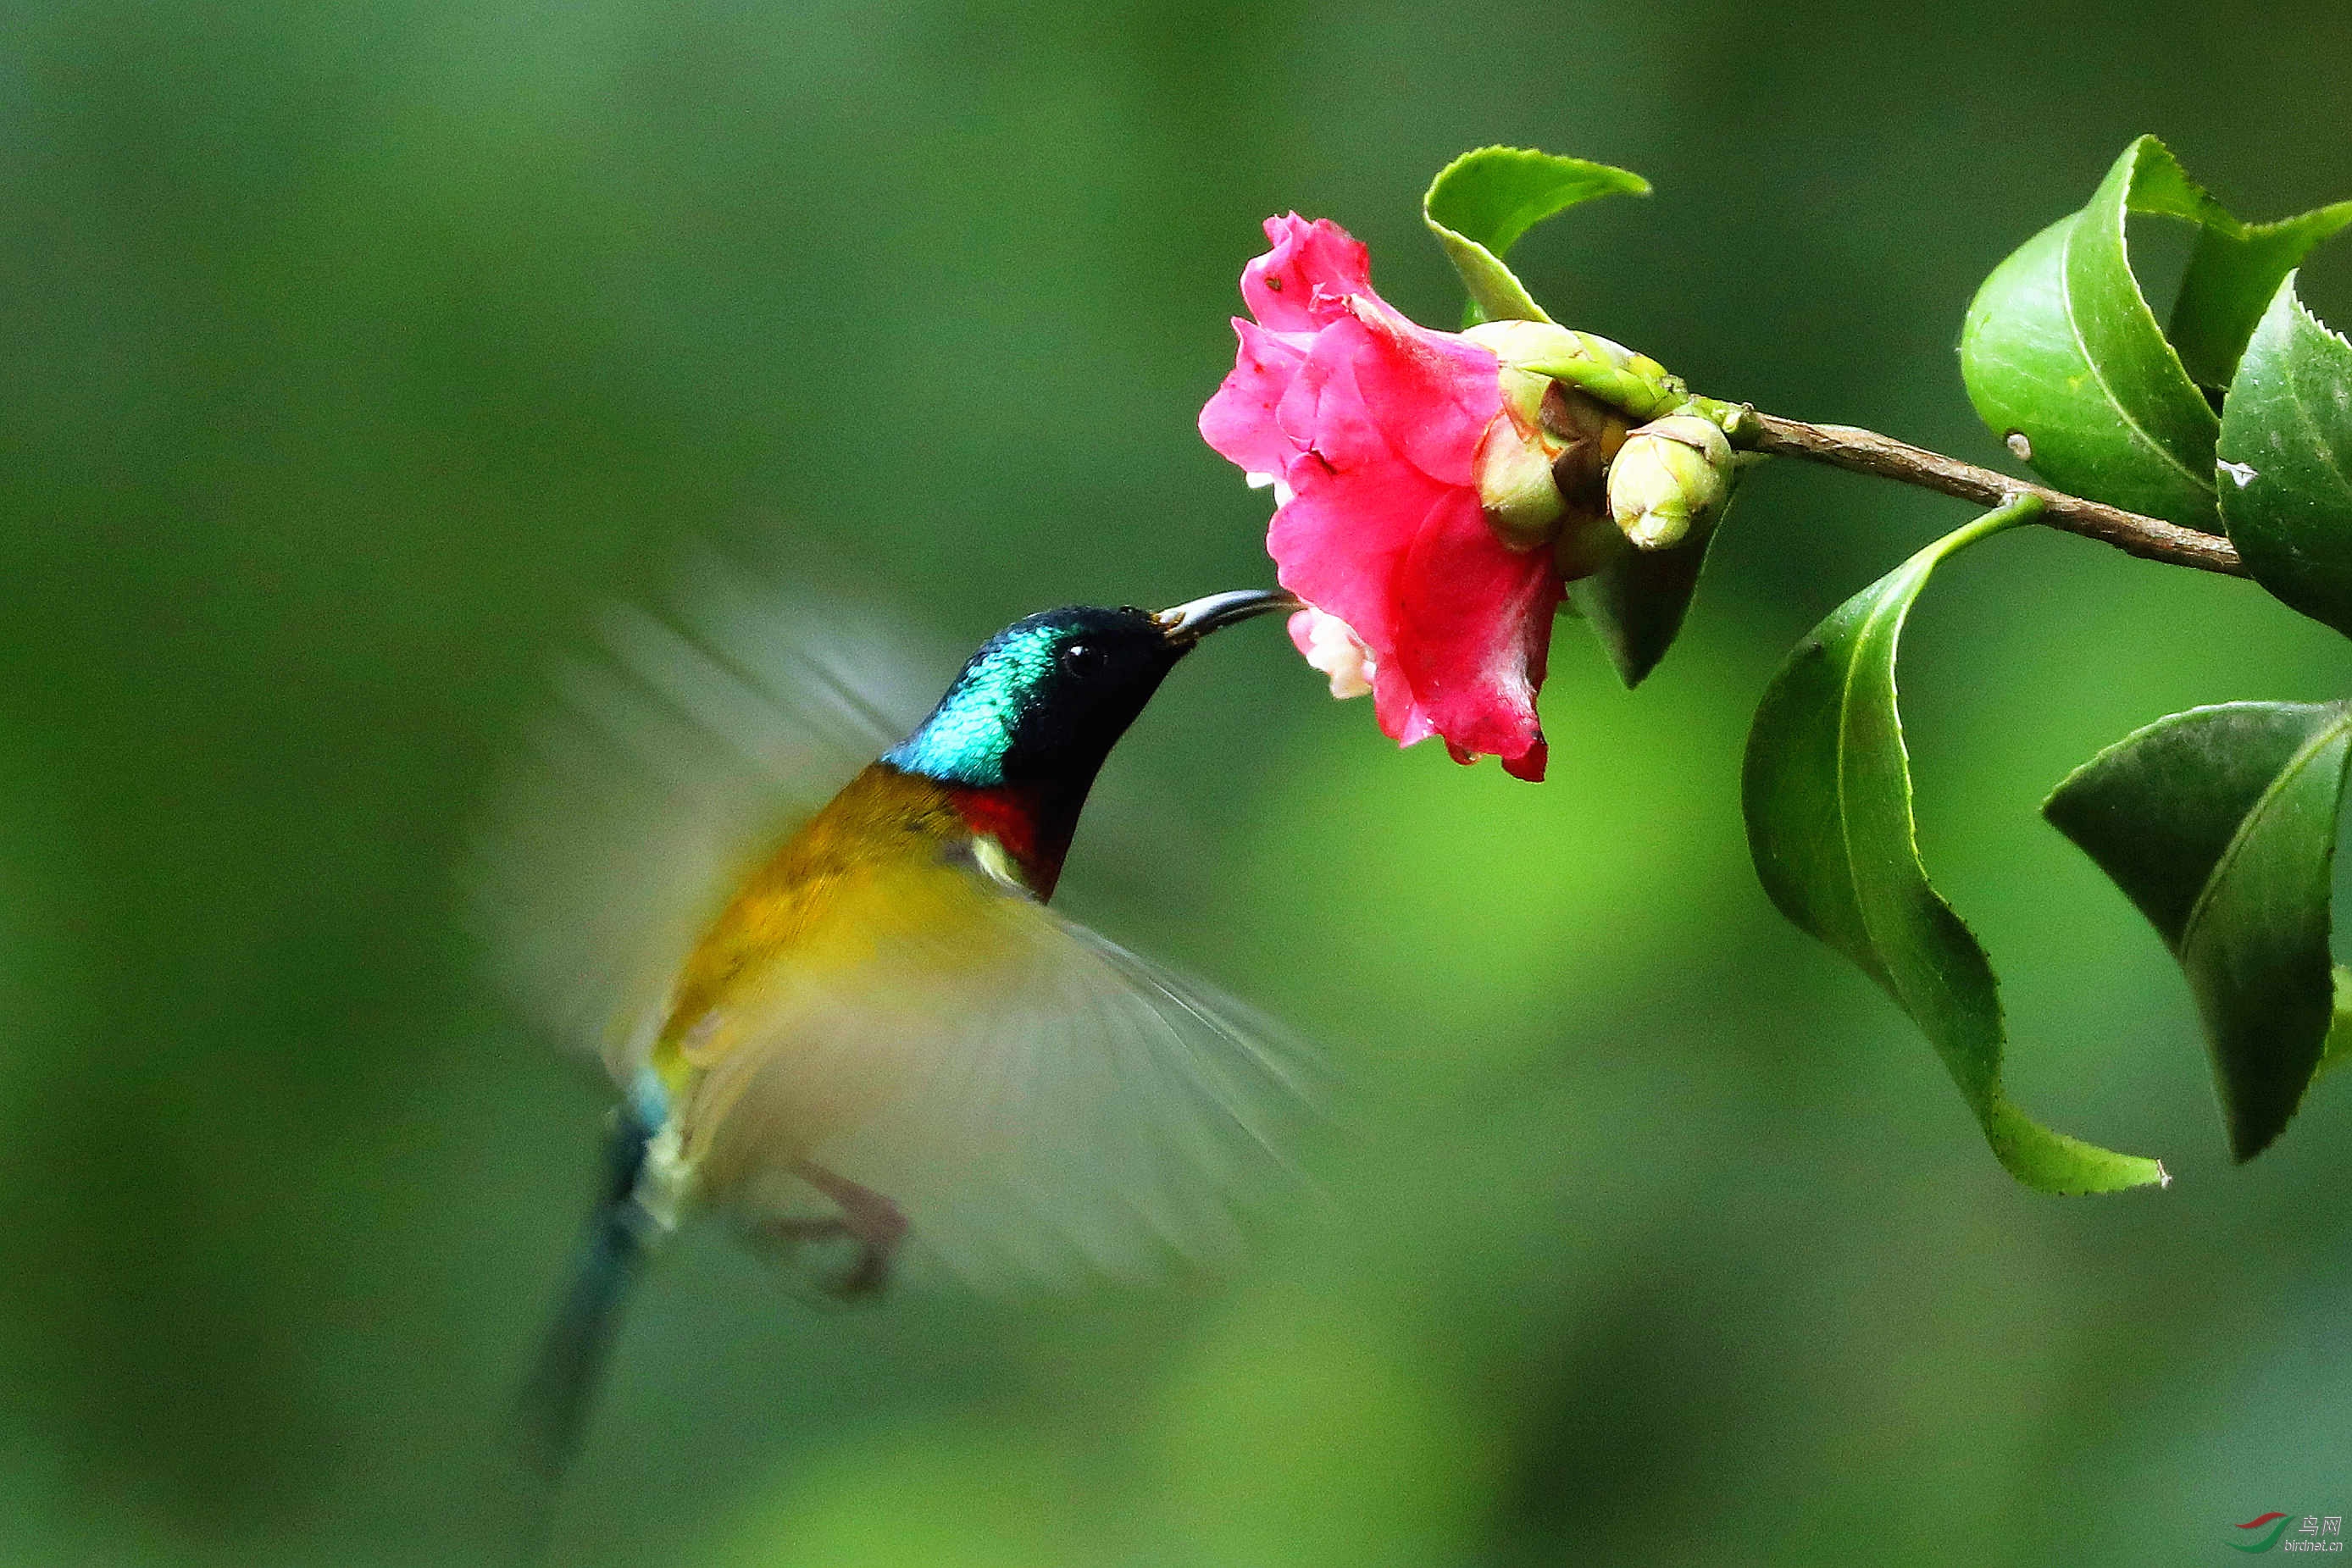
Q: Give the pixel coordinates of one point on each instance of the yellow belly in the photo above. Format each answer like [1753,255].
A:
[824,990]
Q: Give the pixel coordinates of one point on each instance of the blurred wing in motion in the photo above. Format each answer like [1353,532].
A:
[1040,1104]
[679,757]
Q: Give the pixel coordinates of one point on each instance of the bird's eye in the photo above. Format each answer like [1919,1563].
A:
[1082,659]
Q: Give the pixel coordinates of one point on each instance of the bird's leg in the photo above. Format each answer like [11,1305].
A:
[867,1217]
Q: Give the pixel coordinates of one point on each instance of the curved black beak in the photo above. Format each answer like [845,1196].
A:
[1187,623]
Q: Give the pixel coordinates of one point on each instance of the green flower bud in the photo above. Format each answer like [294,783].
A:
[1515,460]
[1586,542]
[1670,479]
[1610,371]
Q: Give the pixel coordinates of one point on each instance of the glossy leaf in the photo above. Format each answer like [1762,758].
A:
[1481,204]
[2220,824]
[1827,793]
[2337,1049]
[2287,461]
[2233,273]
[1636,603]
[2060,346]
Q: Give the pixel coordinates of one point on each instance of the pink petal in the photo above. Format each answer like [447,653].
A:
[1239,422]
[1342,544]
[1357,506]
[1435,393]
[1330,646]
[1325,410]
[1473,631]
[1530,763]
[1304,282]
[1301,627]
[1401,720]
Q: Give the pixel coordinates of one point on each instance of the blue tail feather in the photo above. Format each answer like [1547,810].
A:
[613,1252]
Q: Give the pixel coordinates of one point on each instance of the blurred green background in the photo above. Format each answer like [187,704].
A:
[355,354]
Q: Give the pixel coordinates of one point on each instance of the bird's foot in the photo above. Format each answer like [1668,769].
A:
[866,1217]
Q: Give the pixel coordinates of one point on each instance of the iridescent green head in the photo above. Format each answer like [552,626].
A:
[1046,699]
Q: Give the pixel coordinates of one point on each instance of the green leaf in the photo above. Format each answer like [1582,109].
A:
[2337,1049]
[1481,204]
[2287,461]
[2232,275]
[2060,346]
[1827,793]
[2220,824]
[1636,603]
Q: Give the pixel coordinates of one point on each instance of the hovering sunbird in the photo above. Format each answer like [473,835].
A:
[860,1028]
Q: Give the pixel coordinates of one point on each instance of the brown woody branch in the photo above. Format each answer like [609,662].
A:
[1867,452]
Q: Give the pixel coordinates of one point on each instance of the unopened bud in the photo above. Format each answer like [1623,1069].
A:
[1514,468]
[1610,371]
[1670,479]
[1586,542]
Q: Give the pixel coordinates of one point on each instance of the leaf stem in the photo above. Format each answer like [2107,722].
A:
[2022,506]
[1867,452]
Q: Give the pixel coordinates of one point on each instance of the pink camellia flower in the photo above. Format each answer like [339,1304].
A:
[1377,434]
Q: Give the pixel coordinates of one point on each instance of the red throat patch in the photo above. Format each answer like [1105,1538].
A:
[1014,816]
